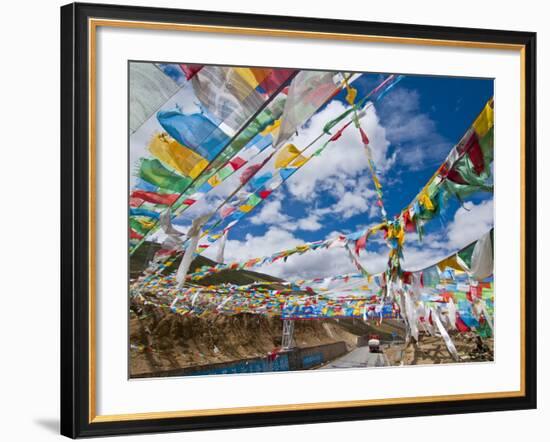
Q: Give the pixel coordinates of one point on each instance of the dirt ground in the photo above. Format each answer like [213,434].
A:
[432,350]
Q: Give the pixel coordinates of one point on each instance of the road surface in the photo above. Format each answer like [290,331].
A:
[360,357]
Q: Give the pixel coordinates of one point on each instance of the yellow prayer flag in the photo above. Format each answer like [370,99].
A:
[425,201]
[450,262]
[253,76]
[352,93]
[214,180]
[176,156]
[376,228]
[146,224]
[271,128]
[287,155]
[401,237]
[485,121]
[300,161]
[246,208]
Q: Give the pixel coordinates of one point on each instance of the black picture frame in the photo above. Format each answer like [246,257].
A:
[76,418]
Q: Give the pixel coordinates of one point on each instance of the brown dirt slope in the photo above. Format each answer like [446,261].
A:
[168,341]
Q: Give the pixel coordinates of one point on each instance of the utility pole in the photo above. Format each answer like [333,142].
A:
[288,332]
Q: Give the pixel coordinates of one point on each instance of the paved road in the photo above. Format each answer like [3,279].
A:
[360,357]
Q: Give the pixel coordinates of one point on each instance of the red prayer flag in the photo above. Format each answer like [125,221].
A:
[249,172]
[407,277]
[226,211]
[264,193]
[455,177]
[409,224]
[274,80]
[163,252]
[135,235]
[360,243]
[156,198]
[460,324]
[317,96]
[190,70]
[364,137]
[470,145]
[135,202]
[236,163]
[476,157]
[339,133]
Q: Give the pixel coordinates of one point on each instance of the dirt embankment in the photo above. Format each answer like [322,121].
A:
[162,341]
[432,350]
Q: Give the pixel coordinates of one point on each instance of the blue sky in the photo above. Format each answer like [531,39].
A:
[412,129]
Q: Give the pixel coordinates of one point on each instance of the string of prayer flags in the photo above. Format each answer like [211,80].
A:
[372,167]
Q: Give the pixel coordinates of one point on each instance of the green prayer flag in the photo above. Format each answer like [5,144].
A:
[253,200]
[137,226]
[155,173]
[486,144]
[466,254]
[466,169]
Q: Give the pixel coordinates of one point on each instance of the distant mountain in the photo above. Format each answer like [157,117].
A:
[144,254]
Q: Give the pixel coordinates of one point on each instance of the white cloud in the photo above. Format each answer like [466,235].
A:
[351,204]
[271,213]
[418,258]
[470,223]
[310,223]
[418,254]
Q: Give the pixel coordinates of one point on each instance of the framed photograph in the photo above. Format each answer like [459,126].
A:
[274,220]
